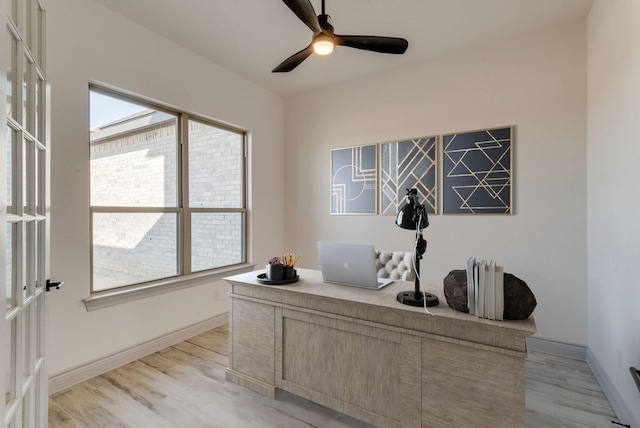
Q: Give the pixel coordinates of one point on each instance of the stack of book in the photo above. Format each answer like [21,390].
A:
[485,288]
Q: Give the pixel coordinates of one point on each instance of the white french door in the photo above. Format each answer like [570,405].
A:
[26,234]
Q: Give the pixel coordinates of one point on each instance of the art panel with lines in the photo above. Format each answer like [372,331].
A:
[477,172]
[406,165]
[354,180]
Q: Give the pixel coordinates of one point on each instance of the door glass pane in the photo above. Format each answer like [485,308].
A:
[26,342]
[30,30]
[10,169]
[10,75]
[30,177]
[216,240]
[39,326]
[38,389]
[27,407]
[16,422]
[36,112]
[28,257]
[10,268]
[25,171]
[32,256]
[9,371]
[41,36]
[33,177]
[129,248]
[40,181]
[134,154]
[21,237]
[26,92]
[215,167]
[40,275]
[17,14]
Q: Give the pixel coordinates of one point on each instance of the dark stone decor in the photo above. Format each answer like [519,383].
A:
[519,301]
[455,290]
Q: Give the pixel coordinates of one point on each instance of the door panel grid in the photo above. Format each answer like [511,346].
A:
[26,249]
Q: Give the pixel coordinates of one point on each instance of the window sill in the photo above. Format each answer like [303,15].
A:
[105,299]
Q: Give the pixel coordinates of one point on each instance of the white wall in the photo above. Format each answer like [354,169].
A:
[537,83]
[613,203]
[88,42]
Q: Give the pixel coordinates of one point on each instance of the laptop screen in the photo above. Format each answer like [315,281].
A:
[349,264]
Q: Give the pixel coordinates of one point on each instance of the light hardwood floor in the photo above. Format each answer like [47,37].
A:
[184,386]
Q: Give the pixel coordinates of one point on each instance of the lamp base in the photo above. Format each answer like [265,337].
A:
[412,298]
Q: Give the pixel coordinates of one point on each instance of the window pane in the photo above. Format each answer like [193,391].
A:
[133,247]
[215,167]
[134,154]
[216,240]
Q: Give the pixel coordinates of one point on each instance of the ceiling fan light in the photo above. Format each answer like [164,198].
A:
[323,45]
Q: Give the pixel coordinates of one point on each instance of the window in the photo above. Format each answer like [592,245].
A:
[167,193]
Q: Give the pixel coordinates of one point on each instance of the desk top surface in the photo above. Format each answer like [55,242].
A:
[310,285]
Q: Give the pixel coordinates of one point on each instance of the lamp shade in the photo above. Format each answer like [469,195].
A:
[412,212]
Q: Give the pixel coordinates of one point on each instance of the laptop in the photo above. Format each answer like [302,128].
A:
[350,264]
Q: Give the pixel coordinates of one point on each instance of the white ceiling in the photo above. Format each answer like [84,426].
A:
[251,37]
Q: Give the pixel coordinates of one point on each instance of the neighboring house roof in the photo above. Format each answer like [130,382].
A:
[133,123]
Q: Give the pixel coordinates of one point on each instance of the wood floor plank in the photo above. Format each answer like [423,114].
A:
[184,386]
[211,340]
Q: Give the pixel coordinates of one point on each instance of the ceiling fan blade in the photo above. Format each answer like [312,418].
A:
[293,61]
[304,10]
[390,45]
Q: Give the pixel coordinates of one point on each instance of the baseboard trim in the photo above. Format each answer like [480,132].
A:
[618,405]
[79,374]
[561,349]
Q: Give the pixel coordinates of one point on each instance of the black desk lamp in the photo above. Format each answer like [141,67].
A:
[413,216]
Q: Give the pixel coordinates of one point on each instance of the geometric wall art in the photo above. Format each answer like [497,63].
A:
[477,172]
[354,180]
[406,165]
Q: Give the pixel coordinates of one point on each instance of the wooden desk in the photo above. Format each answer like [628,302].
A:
[364,354]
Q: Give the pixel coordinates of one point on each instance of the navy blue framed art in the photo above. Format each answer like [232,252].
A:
[408,164]
[477,172]
[354,180]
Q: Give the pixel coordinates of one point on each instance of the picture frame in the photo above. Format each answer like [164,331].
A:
[477,172]
[354,180]
[408,164]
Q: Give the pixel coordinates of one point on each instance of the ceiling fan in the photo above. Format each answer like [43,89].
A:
[324,39]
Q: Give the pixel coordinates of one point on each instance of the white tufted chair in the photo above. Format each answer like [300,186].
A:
[395,265]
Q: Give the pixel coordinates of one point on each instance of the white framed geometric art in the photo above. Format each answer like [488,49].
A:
[477,172]
[354,180]
[408,164]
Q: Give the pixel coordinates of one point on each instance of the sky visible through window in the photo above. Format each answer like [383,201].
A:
[104,109]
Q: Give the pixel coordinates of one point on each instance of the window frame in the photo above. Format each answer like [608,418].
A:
[185,276]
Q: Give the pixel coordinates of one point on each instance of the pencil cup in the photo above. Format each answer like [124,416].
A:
[289,272]
[275,272]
